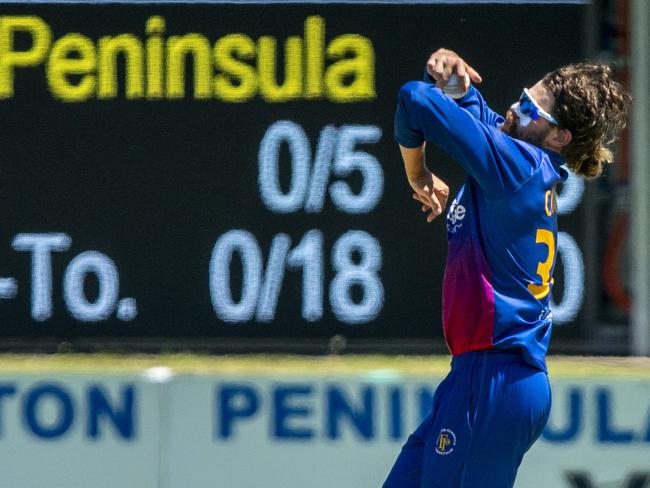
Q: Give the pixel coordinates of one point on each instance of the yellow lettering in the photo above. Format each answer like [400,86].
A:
[131,48]
[178,48]
[238,82]
[60,65]
[549,200]
[291,89]
[155,27]
[360,67]
[9,59]
[236,69]
[315,49]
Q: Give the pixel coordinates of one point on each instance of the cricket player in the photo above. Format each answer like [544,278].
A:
[502,234]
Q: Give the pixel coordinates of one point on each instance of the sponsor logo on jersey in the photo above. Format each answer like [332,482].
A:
[455,217]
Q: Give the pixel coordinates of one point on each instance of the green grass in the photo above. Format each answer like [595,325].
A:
[283,365]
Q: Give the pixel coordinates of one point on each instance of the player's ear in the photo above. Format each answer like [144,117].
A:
[561,137]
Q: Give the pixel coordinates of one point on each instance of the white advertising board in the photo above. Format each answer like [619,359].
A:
[70,431]
[311,431]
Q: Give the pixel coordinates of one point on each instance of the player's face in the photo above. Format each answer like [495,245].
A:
[525,128]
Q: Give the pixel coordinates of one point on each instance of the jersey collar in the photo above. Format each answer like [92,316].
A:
[558,162]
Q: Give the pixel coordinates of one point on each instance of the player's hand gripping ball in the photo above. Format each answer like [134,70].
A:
[451,73]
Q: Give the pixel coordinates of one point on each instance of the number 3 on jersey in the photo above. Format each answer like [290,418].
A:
[544,268]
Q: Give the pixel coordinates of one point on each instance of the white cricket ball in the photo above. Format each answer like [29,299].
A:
[453,86]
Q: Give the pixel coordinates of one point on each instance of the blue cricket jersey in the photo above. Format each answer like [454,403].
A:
[502,225]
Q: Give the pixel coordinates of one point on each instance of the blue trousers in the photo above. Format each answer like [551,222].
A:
[486,414]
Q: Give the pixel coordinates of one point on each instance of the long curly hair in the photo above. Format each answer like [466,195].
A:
[593,106]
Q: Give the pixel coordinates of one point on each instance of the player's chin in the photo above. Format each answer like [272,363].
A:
[509,126]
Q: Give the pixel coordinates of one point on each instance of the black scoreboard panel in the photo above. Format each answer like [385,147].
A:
[229,171]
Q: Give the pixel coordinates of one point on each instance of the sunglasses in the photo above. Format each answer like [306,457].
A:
[527,109]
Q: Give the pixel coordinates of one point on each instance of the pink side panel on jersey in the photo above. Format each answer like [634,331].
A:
[467,301]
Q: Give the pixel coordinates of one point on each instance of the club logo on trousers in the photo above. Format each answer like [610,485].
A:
[446,442]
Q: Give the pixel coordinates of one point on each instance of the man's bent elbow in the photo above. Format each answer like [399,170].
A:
[409,91]
[408,131]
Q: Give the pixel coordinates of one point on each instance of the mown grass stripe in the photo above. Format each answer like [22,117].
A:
[295,365]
